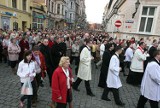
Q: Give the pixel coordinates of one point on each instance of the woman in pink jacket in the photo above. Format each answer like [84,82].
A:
[13,54]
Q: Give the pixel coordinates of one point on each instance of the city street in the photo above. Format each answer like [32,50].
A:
[10,93]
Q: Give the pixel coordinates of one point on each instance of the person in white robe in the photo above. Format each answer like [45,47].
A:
[129,55]
[84,71]
[137,65]
[150,87]
[113,82]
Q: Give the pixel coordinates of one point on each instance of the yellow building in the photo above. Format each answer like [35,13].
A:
[15,14]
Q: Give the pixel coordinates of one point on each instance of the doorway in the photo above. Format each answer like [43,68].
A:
[24,25]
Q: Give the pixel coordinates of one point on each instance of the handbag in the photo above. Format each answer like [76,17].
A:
[27,88]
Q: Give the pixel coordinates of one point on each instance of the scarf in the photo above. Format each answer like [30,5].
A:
[66,72]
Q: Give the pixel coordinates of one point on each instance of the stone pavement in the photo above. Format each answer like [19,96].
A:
[10,92]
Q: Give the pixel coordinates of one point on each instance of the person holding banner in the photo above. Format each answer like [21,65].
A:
[27,71]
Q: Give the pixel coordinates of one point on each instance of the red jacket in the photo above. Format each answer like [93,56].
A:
[43,64]
[59,85]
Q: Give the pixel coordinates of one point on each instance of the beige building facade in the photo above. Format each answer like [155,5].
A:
[145,22]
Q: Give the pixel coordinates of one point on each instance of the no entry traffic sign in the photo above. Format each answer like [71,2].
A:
[118,23]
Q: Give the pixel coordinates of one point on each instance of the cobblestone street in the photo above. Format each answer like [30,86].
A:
[10,92]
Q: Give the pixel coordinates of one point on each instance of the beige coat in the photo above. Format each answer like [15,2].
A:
[84,71]
[13,52]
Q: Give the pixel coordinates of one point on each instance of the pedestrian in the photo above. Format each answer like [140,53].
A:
[62,80]
[6,42]
[24,45]
[102,49]
[113,80]
[13,53]
[84,71]
[38,57]
[129,56]
[45,50]
[105,65]
[62,46]
[27,69]
[136,71]
[56,52]
[150,86]
[75,55]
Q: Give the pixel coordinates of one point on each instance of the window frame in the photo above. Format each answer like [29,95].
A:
[147,17]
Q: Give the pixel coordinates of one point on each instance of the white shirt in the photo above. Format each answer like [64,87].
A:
[102,49]
[66,72]
[128,54]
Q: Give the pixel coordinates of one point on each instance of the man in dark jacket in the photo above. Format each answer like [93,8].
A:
[56,52]
[45,50]
[63,46]
[152,49]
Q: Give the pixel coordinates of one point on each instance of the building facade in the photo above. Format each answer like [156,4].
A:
[15,14]
[41,14]
[141,22]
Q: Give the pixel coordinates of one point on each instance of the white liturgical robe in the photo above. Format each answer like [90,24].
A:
[113,79]
[150,86]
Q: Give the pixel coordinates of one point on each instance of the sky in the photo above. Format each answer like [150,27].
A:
[94,10]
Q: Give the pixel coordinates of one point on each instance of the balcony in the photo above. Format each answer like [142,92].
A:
[59,16]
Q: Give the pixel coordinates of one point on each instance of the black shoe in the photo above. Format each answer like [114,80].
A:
[91,94]
[76,89]
[121,104]
[106,99]
[101,86]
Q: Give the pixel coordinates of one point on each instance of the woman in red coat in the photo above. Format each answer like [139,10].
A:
[61,84]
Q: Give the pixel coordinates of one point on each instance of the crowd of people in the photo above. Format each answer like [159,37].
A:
[50,52]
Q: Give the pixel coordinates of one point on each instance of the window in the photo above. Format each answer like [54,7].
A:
[49,1]
[58,9]
[147,18]
[62,9]
[14,3]
[65,14]
[24,4]
[70,16]
[71,5]
[37,21]
[52,7]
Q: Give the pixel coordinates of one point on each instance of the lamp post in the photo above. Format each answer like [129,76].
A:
[136,6]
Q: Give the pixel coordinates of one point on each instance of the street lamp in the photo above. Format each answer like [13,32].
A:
[136,5]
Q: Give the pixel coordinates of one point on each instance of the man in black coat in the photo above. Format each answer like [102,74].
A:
[63,46]
[45,50]
[105,65]
[152,49]
[56,52]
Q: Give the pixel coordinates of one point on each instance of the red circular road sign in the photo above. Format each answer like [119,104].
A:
[118,23]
